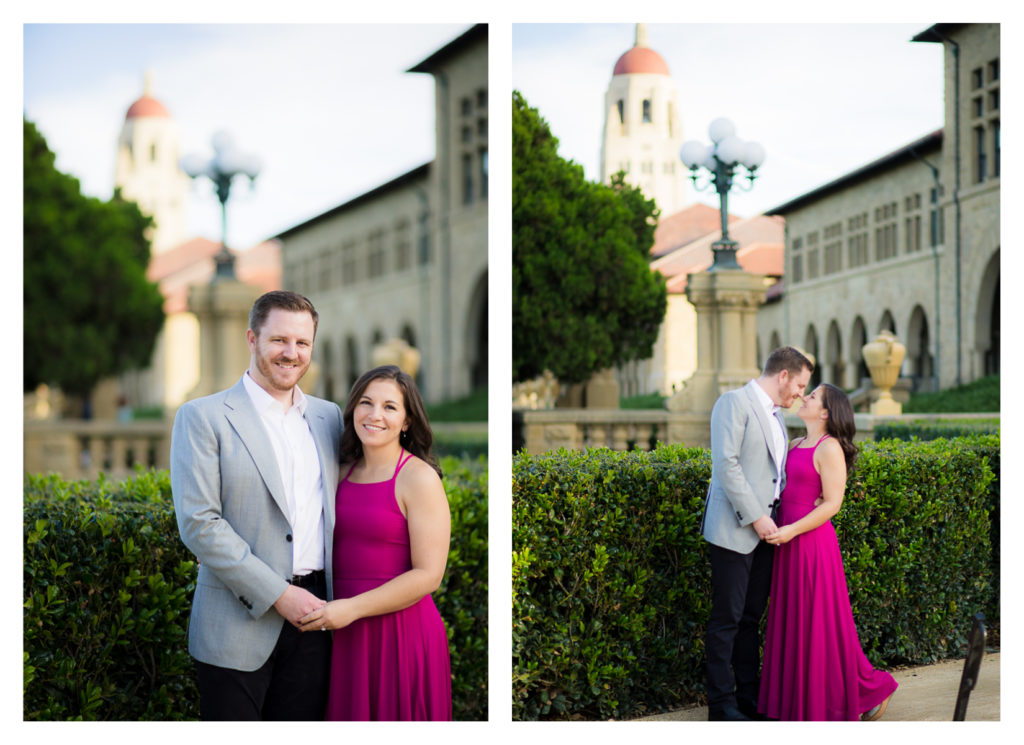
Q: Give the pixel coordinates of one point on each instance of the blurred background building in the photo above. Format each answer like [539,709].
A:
[908,242]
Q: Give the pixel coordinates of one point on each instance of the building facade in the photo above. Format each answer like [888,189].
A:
[908,243]
[409,259]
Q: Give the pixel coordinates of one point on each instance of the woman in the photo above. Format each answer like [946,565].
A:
[814,668]
[392,527]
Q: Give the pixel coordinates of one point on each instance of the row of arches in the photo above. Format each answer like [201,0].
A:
[841,362]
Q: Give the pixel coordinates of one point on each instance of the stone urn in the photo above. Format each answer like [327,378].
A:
[397,352]
[884,356]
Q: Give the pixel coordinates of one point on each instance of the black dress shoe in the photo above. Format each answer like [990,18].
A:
[727,714]
[749,710]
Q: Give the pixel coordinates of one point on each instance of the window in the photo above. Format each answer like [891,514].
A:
[481,126]
[466,106]
[481,98]
[483,173]
[403,245]
[467,134]
[376,263]
[995,148]
[977,78]
[467,178]
[979,106]
[646,111]
[980,162]
[152,153]
[622,111]
[993,71]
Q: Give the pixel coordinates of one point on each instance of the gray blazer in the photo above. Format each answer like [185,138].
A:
[230,505]
[743,470]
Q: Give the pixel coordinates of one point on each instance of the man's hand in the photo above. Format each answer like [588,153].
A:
[764,526]
[295,602]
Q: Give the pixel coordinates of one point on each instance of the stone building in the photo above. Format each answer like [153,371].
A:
[909,242]
[408,259]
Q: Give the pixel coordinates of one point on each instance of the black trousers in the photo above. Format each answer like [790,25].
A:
[291,685]
[740,584]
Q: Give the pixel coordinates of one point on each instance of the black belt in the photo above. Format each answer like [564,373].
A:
[309,580]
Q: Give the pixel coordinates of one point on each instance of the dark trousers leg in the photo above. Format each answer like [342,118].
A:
[739,584]
[291,685]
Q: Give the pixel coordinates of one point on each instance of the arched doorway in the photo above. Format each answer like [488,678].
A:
[835,367]
[986,332]
[919,355]
[858,338]
[476,334]
[811,347]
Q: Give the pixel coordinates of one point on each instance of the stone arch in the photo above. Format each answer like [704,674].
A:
[887,322]
[810,346]
[834,364]
[353,368]
[327,371]
[475,340]
[987,319]
[920,361]
[858,338]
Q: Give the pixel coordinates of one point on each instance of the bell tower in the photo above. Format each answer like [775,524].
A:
[147,168]
[642,127]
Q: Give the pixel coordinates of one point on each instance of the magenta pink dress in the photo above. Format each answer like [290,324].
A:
[814,668]
[394,666]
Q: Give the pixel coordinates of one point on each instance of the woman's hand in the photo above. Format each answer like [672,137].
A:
[337,614]
[783,535]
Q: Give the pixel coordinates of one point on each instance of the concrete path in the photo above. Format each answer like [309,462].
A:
[926,694]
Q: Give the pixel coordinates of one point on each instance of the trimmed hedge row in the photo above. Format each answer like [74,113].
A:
[923,429]
[611,583]
[108,586]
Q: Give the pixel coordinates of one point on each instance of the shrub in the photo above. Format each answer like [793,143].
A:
[924,429]
[611,583]
[107,595]
[978,395]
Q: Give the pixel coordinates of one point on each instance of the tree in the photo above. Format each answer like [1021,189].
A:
[90,312]
[584,297]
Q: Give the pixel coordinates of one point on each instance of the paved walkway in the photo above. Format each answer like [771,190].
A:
[926,694]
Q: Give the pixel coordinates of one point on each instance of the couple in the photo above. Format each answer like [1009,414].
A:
[288,551]
[772,501]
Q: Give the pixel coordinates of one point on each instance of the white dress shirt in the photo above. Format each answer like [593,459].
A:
[299,465]
[778,436]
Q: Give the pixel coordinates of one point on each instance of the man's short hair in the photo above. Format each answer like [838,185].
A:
[790,359]
[281,300]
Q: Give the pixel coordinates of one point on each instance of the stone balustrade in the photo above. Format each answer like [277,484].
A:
[81,449]
[626,429]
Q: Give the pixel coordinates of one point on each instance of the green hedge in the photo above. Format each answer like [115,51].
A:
[611,583]
[107,593]
[924,429]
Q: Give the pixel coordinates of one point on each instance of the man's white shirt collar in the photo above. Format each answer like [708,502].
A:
[265,401]
[764,398]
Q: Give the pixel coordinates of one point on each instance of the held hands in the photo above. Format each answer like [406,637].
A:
[336,614]
[296,602]
[782,535]
[764,526]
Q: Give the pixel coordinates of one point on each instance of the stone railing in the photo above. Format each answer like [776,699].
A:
[625,429]
[81,449]
[575,429]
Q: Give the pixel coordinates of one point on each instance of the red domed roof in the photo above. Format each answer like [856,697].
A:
[640,60]
[146,106]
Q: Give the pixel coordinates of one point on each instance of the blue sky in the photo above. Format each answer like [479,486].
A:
[822,99]
[329,109]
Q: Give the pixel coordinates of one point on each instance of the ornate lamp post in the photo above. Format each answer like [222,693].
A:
[227,163]
[720,162]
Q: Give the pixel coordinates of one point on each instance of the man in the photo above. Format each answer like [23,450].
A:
[253,473]
[748,454]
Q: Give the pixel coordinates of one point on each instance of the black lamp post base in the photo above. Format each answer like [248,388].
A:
[724,253]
